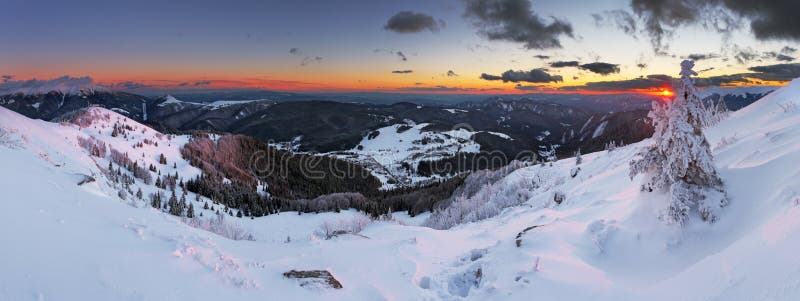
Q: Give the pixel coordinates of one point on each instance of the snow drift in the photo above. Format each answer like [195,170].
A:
[602,240]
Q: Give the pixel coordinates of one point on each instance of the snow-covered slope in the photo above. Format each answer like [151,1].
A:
[603,242]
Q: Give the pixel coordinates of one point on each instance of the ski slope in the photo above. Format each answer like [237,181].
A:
[62,241]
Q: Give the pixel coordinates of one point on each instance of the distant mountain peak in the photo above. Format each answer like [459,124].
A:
[64,85]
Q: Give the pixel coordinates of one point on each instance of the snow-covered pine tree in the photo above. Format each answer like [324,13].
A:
[578,159]
[680,159]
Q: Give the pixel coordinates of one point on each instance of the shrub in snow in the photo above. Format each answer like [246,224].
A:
[679,160]
[354,225]
[574,171]
[9,139]
[460,284]
[94,147]
[790,107]
[219,225]
[716,111]
[559,197]
[425,282]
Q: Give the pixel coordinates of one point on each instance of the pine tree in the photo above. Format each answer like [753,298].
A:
[174,206]
[158,182]
[190,213]
[155,200]
[139,194]
[162,160]
[680,160]
[578,159]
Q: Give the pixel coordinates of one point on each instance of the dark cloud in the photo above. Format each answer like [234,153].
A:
[450,73]
[527,88]
[705,70]
[515,21]
[202,83]
[307,60]
[623,20]
[183,84]
[648,82]
[402,56]
[533,76]
[784,58]
[769,20]
[661,17]
[702,56]
[562,64]
[721,80]
[788,50]
[310,60]
[745,56]
[402,71]
[641,65]
[6,78]
[542,57]
[600,68]
[779,72]
[412,22]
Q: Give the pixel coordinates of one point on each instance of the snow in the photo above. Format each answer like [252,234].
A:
[170,100]
[603,242]
[386,153]
[122,111]
[225,103]
[600,129]
[501,135]
[735,91]
[454,111]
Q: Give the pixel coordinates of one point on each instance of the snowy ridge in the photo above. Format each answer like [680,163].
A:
[602,242]
[63,85]
[170,100]
[736,91]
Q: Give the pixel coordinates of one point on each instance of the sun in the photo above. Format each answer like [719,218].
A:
[666,93]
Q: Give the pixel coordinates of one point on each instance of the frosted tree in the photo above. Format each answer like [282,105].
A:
[578,158]
[679,161]
[548,154]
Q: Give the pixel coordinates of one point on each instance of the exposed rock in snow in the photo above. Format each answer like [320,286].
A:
[314,279]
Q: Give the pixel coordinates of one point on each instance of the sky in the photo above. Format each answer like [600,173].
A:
[425,46]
